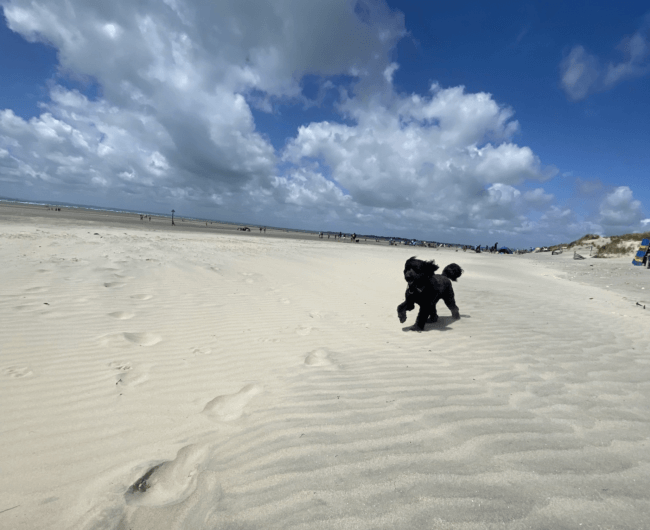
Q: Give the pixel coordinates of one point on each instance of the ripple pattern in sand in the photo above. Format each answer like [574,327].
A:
[480,436]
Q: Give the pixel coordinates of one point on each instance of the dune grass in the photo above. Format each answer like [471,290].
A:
[619,245]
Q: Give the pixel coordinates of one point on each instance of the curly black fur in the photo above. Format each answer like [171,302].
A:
[425,288]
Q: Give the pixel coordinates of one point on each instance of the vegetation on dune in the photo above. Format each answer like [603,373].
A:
[579,242]
[632,237]
[619,245]
[615,247]
[576,243]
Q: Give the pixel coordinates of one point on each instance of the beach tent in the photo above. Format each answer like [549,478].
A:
[643,249]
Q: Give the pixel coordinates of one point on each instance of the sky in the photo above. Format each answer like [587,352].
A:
[526,123]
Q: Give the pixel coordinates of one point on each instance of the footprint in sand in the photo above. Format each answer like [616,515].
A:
[114,285]
[318,357]
[17,372]
[121,315]
[231,406]
[203,351]
[127,376]
[285,300]
[170,482]
[316,314]
[131,378]
[142,297]
[141,339]
[303,331]
[122,366]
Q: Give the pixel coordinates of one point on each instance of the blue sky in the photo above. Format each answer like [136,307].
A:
[525,123]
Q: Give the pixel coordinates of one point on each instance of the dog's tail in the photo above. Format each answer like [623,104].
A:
[452,271]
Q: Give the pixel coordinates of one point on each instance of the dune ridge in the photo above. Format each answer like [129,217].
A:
[231,382]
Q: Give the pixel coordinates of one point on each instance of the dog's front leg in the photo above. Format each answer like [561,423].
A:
[402,309]
[422,317]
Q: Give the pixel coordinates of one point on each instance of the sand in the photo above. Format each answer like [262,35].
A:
[269,384]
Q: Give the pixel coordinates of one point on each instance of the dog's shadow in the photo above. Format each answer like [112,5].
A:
[441,325]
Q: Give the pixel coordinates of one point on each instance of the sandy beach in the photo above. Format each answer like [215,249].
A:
[267,381]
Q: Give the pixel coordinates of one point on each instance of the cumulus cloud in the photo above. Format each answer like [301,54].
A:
[173,125]
[620,211]
[430,154]
[174,78]
[583,73]
[538,198]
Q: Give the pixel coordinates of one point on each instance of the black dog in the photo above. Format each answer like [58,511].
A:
[425,288]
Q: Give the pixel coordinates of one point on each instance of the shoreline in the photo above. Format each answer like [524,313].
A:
[19,212]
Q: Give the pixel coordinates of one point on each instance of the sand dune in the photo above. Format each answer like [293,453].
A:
[154,380]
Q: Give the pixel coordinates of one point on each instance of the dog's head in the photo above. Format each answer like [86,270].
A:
[417,270]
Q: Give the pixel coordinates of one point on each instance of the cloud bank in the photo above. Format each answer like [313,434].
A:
[173,125]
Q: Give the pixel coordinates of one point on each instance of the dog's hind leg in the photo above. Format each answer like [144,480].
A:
[450,302]
[433,315]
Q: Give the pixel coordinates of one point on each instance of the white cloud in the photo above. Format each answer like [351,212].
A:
[582,73]
[173,123]
[426,154]
[620,211]
[538,198]
[173,79]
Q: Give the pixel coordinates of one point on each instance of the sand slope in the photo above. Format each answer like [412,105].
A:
[271,385]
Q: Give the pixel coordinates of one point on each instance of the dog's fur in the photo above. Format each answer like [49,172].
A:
[425,288]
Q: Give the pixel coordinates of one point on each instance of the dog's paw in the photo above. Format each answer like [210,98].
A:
[456,315]
[402,317]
